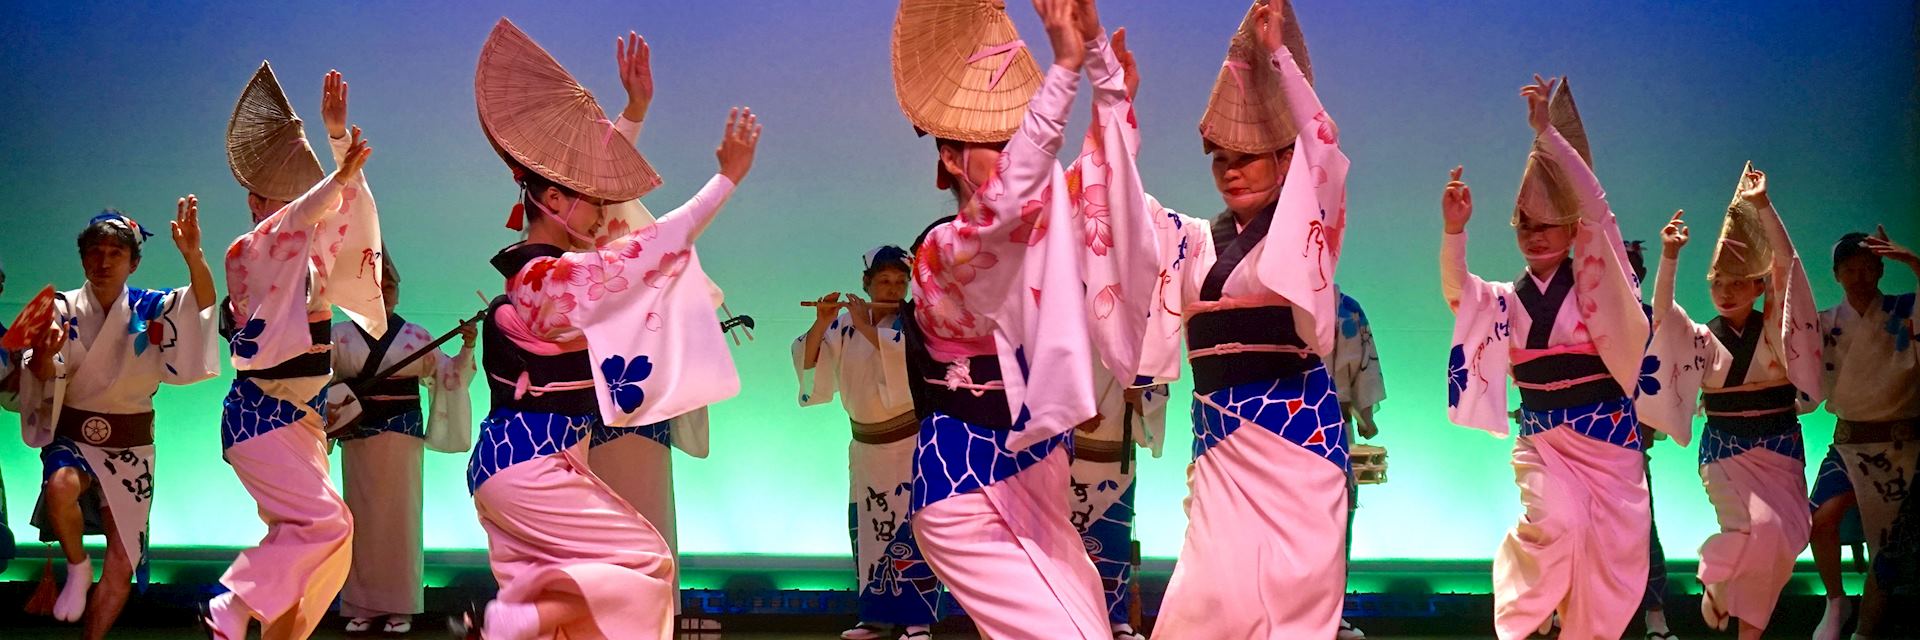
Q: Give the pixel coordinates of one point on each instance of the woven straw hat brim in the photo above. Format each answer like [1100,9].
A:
[537,116]
[267,146]
[1247,110]
[1742,225]
[1565,117]
[946,57]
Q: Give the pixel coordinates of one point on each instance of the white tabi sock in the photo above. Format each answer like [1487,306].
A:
[73,595]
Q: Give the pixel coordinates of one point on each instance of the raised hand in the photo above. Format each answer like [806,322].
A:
[333,105]
[1674,236]
[636,74]
[1754,189]
[50,341]
[738,145]
[186,226]
[1537,95]
[1885,247]
[1063,32]
[1456,203]
[1087,17]
[354,160]
[467,333]
[1270,23]
[1128,66]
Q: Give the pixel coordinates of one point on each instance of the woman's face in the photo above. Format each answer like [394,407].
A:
[979,163]
[1249,182]
[1733,294]
[581,216]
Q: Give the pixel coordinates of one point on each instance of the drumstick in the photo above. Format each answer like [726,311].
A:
[874,305]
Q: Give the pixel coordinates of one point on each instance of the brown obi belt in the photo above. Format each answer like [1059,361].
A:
[1095,450]
[1232,347]
[1755,413]
[1850,432]
[1564,381]
[900,427]
[389,397]
[105,430]
[984,405]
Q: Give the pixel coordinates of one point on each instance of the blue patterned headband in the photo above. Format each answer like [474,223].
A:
[111,215]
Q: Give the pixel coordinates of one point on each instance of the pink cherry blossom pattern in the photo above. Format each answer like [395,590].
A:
[603,279]
[1033,221]
[1105,301]
[1096,219]
[671,266]
[654,322]
[1328,132]
[287,246]
[966,258]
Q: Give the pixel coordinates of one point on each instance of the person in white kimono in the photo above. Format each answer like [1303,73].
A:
[1572,334]
[1872,386]
[381,455]
[1361,385]
[1753,371]
[856,350]
[93,419]
[1038,273]
[315,244]
[1252,291]
[607,321]
[1100,497]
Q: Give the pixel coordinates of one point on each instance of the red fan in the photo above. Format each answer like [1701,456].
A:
[34,318]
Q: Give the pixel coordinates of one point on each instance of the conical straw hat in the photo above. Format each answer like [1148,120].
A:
[1743,250]
[266,145]
[1544,185]
[1248,110]
[538,117]
[960,70]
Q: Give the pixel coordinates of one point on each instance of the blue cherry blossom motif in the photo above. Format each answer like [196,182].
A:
[1649,383]
[73,327]
[1456,375]
[1351,317]
[145,307]
[243,344]
[1108,485]
[1898,309]
[623,379]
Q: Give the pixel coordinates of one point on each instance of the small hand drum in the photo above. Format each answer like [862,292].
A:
[1369,464]
[343,410]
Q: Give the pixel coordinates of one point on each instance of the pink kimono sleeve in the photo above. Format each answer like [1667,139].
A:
[1119,257]
[1303,244]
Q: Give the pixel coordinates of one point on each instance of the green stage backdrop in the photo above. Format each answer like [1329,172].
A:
[125,106]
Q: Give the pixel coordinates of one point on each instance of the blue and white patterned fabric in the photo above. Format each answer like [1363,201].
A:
[1109,541]
[1612,421]
[661,432]
[1303,409]
[953,457]
[248,412]
[901,590]
[60,454]
[509,437]
[1717,445]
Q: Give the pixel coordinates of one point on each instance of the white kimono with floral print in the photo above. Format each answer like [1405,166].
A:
[980,281]
[645,309]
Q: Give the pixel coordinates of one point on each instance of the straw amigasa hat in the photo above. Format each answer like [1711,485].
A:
[1545,195]
[266,143]
[540,119]
[960,70]
[1743,250]
[1248,110]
